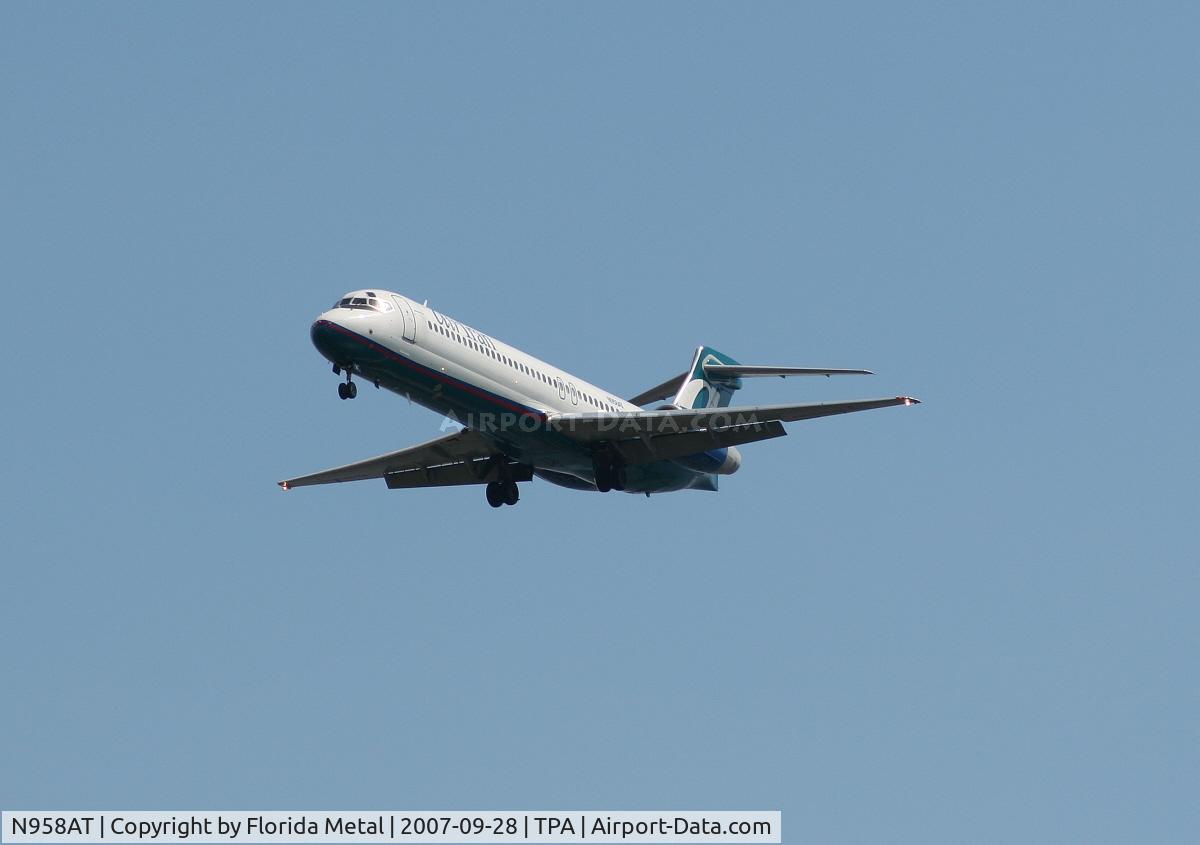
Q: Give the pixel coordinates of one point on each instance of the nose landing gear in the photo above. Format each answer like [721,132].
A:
[502,493]
[347,389]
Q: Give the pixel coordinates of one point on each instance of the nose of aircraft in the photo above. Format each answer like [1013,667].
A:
[328,336]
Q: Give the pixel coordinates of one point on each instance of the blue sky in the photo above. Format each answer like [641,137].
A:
[974,620]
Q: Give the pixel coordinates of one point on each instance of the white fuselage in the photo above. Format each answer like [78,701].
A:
[489,386]
[442,344]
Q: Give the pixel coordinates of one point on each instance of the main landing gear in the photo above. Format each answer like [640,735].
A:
[502,493]
[347,389]
[610,473]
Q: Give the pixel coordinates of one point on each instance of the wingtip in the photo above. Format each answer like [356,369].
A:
[908,400]
[283,485]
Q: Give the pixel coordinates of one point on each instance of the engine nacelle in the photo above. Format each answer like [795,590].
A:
[723,461]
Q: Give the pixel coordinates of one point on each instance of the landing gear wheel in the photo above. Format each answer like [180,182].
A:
[351,390]
[603,473]
[510,492]
[502,493]
[343,393]
[609,474]
[619,477]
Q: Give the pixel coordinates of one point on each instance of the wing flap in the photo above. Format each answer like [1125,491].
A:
[477,471]
[645,450]
[453,448]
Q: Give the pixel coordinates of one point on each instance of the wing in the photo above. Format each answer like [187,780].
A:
[660,447]
[641,424]
[465,457]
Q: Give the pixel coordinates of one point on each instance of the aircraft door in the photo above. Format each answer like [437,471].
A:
[410,318]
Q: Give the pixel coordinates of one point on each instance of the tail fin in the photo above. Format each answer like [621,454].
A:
[700,390]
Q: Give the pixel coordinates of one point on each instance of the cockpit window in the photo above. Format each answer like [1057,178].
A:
[366,303]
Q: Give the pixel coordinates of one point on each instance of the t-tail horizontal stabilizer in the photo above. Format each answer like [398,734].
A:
[715,371]
[714,376]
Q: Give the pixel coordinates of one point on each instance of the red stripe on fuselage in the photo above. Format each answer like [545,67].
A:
[438,376]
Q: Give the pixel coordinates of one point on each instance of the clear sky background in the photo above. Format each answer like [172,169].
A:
[972,620]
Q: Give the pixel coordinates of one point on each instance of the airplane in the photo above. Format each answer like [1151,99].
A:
[524,418]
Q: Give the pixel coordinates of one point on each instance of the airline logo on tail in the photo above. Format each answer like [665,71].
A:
[701,390]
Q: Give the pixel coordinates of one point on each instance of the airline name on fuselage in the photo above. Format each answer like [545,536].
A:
[455,326]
